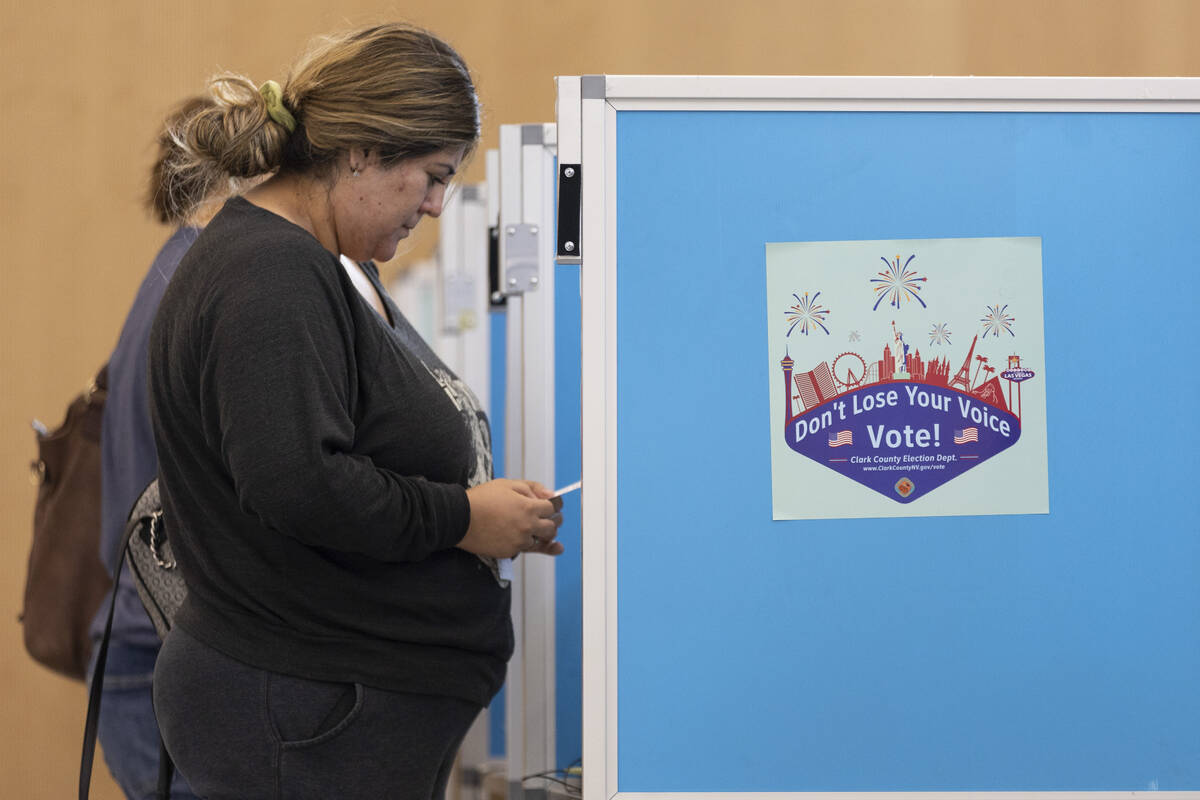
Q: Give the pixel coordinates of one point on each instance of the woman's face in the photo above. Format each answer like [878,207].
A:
[380,206]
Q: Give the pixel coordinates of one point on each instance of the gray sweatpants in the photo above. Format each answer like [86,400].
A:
[236,731]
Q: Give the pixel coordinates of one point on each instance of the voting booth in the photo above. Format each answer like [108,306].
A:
[888,434]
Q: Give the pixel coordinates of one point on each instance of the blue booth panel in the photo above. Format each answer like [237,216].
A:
[1002,652]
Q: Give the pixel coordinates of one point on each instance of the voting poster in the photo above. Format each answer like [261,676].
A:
[907,378]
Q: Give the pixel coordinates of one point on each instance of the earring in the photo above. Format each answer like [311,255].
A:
[354,171]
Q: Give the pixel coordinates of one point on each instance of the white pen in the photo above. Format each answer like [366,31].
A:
[567,489]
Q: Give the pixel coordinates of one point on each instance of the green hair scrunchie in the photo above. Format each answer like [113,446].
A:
[275,107]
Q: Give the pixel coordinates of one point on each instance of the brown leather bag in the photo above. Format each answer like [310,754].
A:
[66,580]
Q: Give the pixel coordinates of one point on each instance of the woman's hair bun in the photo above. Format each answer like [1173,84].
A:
[208,140]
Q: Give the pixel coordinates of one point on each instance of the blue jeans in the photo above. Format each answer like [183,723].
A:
[128,731]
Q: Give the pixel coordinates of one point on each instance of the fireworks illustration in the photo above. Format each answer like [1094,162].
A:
[855,336]
[898,283]
[997,321]
[940,333]
[806,313]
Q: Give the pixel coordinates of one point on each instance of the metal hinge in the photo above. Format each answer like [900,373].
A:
[520,258]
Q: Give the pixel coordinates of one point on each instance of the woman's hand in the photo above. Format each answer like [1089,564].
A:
[510,517]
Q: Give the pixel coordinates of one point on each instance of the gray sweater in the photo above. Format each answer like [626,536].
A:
[314,461]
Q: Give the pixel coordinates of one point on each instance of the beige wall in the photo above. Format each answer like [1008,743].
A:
[83,84]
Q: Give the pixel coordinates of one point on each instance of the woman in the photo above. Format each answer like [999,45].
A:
[334,518]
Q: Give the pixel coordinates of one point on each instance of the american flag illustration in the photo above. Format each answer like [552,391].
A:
[966,435]
[840,438]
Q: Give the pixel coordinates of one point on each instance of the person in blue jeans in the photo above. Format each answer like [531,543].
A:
[128,731]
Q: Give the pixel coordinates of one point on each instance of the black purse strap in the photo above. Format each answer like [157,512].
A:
[91,728]
[166,769]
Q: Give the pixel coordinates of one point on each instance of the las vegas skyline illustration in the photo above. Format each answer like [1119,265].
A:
[899,284]
[822,383]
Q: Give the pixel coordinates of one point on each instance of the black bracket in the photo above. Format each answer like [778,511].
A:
[570,182]
[496,296]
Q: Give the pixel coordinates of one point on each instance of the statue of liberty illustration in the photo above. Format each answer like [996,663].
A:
[902,371]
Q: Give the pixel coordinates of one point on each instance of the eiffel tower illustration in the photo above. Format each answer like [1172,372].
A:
[964,375]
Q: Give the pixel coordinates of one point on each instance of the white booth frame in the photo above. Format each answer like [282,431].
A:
[526,195]
[587,109]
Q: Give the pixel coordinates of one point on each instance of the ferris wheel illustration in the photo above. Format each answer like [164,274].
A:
[849,369]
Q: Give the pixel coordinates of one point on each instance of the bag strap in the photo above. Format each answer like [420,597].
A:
[166,769]
[91,726]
